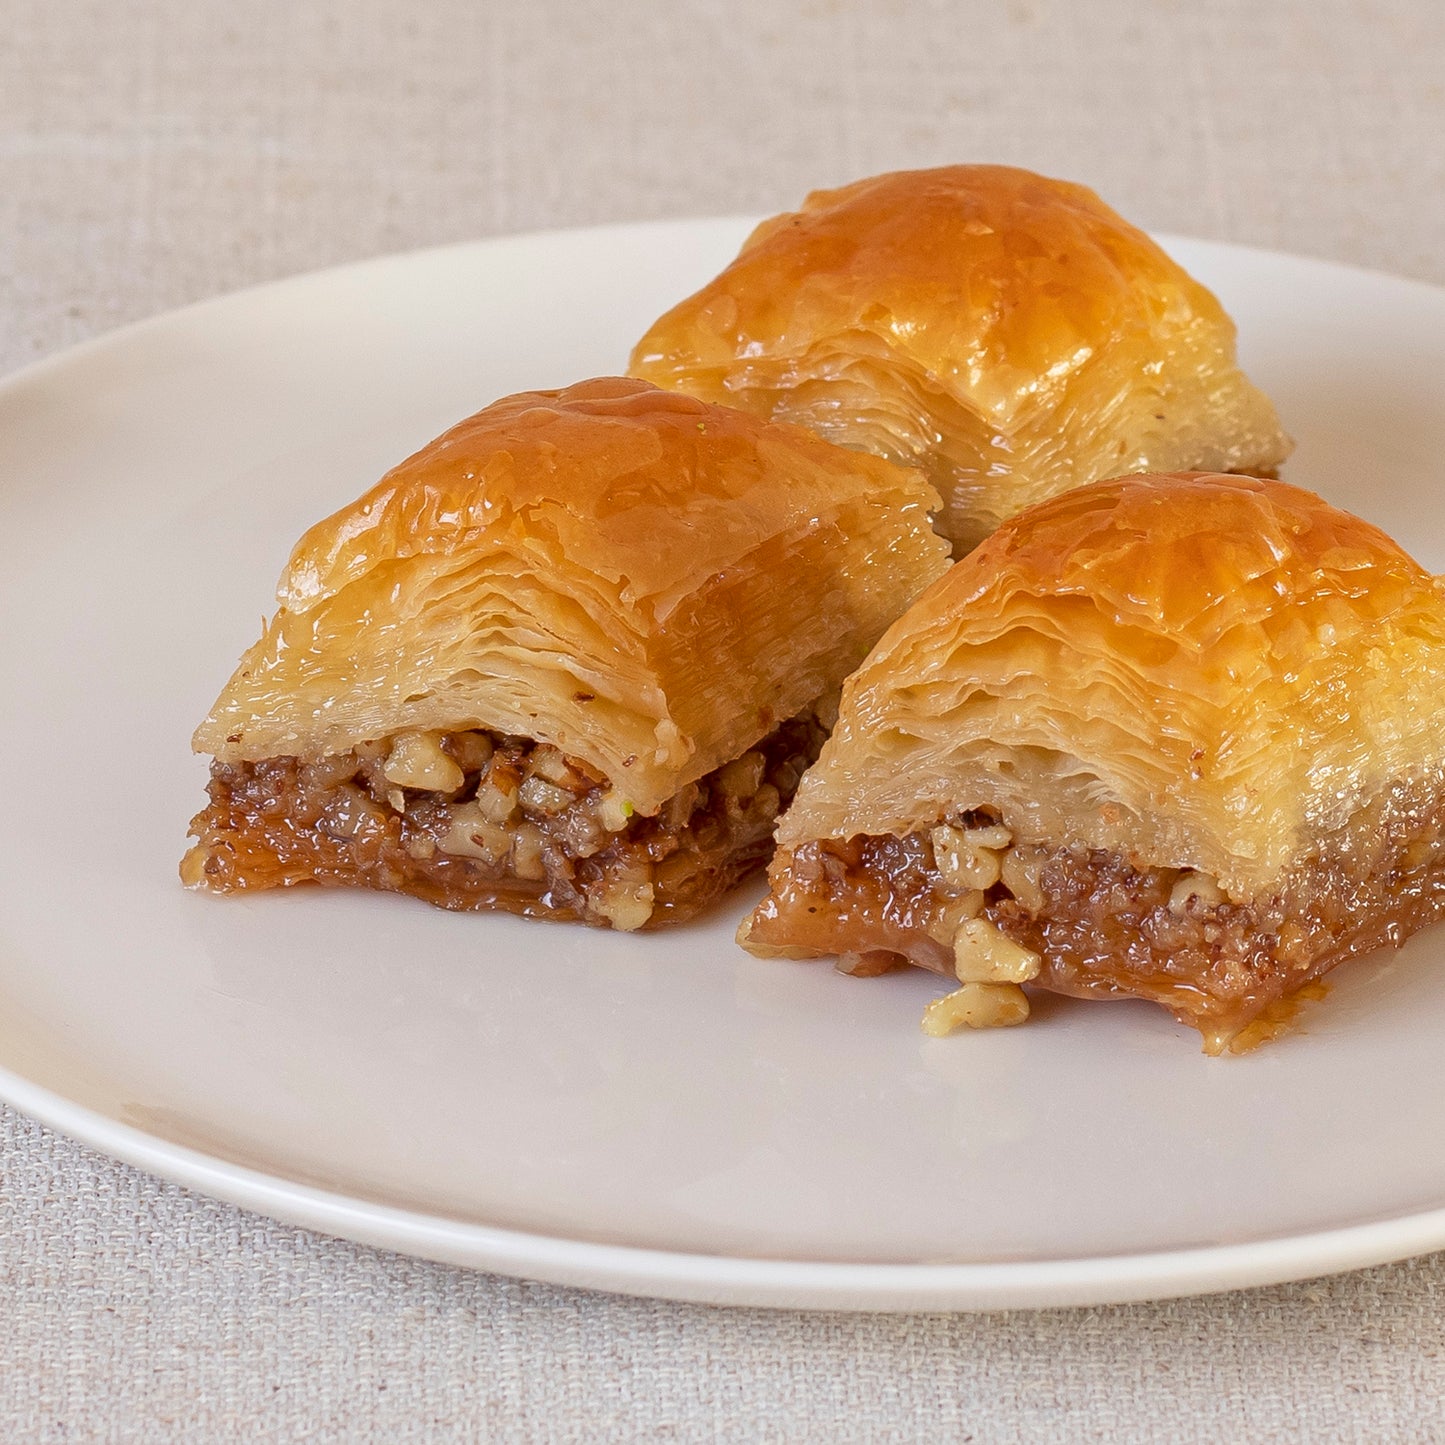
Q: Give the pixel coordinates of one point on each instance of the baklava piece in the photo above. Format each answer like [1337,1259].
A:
[1166,737]
[566,661]
[1009,334]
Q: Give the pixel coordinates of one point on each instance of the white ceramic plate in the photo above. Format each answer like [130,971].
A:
[664,1114]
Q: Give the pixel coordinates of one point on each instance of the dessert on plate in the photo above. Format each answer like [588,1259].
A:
[1167,737]
[568,660]
[1009,334]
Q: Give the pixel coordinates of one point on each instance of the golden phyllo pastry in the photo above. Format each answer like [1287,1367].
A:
[1008,333]
[1164,737]
[565,661]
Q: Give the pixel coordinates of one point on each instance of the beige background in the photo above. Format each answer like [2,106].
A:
[152,154]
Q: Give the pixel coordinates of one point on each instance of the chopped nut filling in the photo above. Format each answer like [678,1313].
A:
[1090,924]
[984,954]
[480,820]
[976,1006]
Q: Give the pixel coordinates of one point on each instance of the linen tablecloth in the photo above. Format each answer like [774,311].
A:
[157,153]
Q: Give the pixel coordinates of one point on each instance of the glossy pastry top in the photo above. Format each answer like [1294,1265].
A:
[643,579]
[1191,670]
[991,278]
[940,317]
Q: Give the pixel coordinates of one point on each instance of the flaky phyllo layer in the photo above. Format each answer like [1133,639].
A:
[645,585]
[1009,334]
[1171,737]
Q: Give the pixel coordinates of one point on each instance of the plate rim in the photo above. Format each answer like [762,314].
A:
[738,1279]
[722,1278]
[127,331]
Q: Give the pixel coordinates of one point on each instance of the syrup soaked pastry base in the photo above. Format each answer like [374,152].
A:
[1164,737]
[526,829]
[1084,922]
